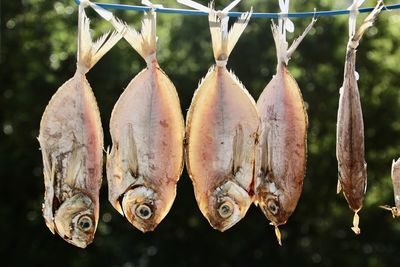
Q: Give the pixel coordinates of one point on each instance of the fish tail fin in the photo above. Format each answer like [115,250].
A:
[367,23]
[284,53]
[298,40]
[145,41]
[223,41]
[356,221]
[237,29]
[90,53]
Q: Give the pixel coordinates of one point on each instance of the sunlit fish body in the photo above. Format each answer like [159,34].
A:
[71,141]
[147,131]
[350,129]
[222,125]
[282,148]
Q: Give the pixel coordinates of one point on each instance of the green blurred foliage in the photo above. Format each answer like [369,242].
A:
[38,47]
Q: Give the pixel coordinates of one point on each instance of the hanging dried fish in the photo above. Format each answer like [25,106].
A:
[282,148]
[71,141]
[147,131]
[396,188]
[221,129]
[350,127]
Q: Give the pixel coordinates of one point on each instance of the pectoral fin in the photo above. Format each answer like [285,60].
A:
[265,154]
[237,149]
[132,152]
[73,167]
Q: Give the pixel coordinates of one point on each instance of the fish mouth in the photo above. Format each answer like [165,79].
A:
[280,218]
[78,243]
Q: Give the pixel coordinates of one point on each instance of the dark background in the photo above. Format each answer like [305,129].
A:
[38,54]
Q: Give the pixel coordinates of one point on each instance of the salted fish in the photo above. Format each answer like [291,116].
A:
[147,130]
[352,167]
[71,141]
[282,148]
[221,132]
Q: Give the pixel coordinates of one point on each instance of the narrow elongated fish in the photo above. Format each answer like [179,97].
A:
[221,129]
[396,188]
[350,127]
[71,141]
[282,148]
[147,131]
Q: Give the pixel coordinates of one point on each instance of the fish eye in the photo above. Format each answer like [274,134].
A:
[225,210]
[85,223]
[143,211]
[272,207]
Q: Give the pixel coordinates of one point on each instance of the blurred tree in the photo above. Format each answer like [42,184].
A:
[38,47]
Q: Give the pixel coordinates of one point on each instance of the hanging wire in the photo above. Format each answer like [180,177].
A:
[238,14]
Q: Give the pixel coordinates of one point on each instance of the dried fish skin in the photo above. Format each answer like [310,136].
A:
[147,130]
[282,149]
[350,151]
[396,189]
[71,141]
[221,132]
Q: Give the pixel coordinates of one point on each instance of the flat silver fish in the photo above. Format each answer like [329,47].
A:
[222,125]
[350,128]
[147,130]
[71,141]
[282,149]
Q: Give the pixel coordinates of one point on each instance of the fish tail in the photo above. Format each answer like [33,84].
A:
[356,221]
[89,52]
[367,23]
[145,41]
[284,53]
[223,41]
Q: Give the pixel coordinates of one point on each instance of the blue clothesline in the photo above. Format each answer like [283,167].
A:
[238,14]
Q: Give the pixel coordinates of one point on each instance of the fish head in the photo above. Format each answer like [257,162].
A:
[75,220]
[142,208]
[227,205]
[273,207]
